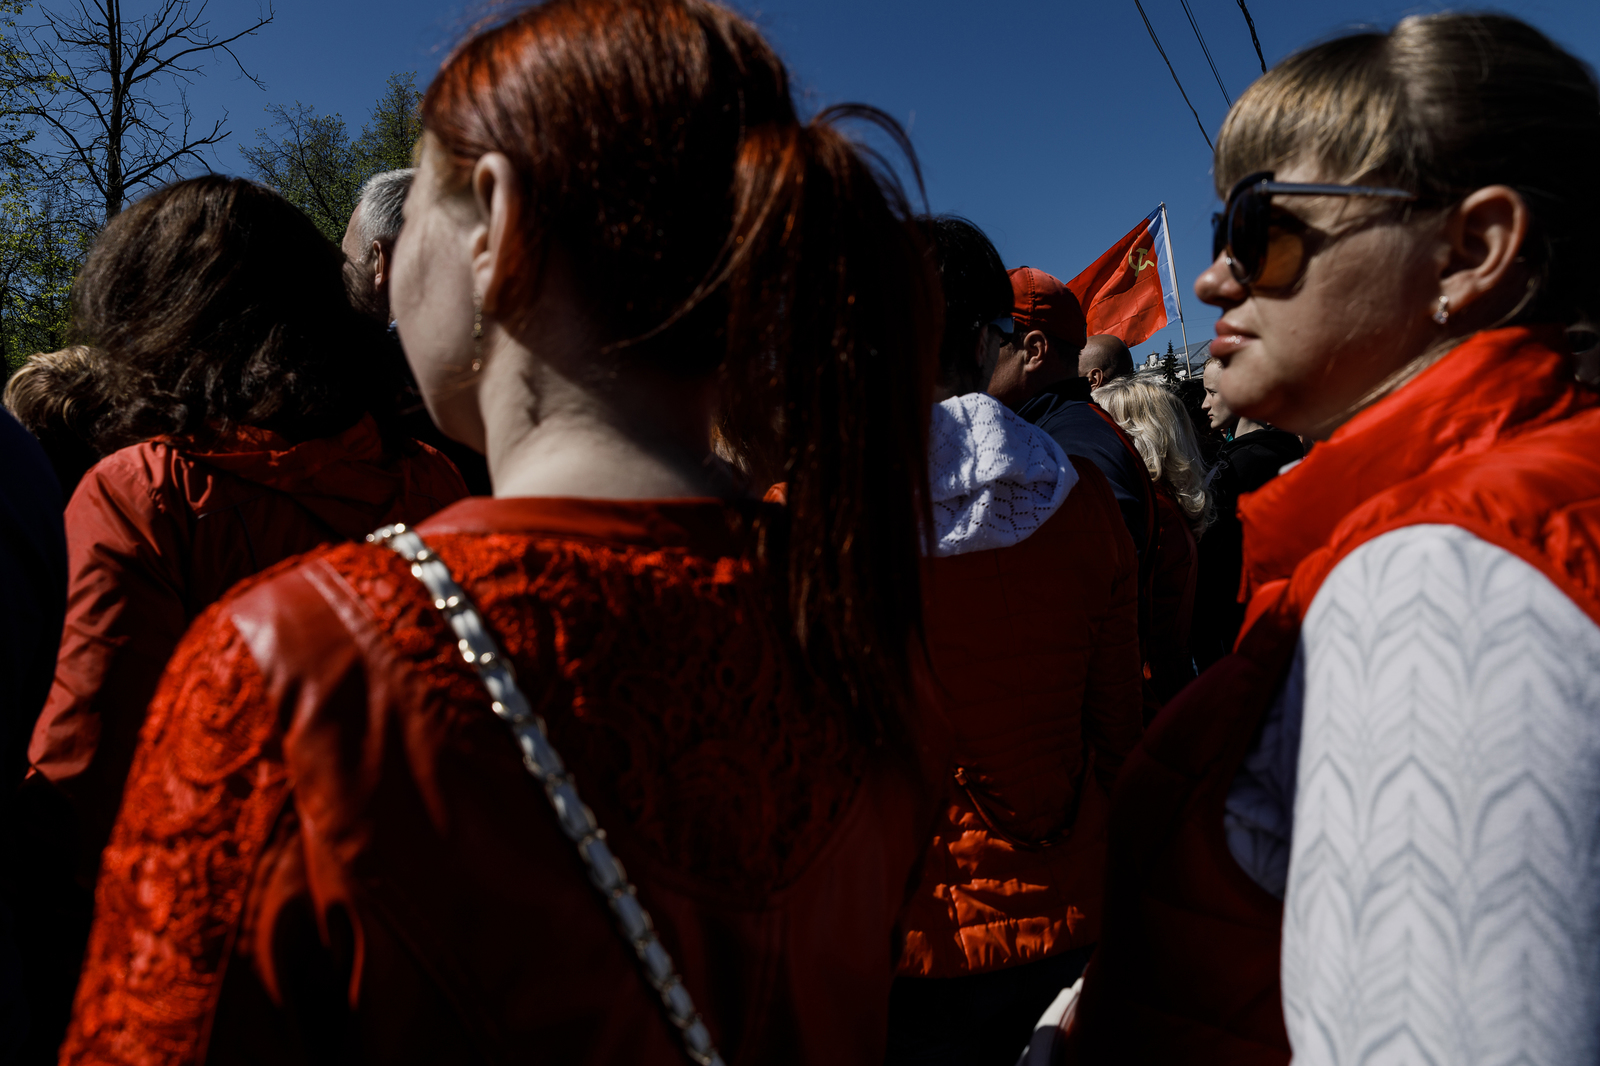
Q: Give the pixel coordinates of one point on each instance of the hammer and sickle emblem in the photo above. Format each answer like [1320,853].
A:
[1141,258]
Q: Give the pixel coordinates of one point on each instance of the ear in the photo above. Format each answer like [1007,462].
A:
[1096,376]
[1035,348]
[1483,239]
[496,250]
[380,266]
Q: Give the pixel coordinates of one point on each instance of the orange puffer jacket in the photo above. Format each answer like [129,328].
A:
[1037,648]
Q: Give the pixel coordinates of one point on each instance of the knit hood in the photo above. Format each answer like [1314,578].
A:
[994,477]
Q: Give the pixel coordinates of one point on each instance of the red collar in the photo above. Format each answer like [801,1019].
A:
[707,527]
[1495,386]
[350,465]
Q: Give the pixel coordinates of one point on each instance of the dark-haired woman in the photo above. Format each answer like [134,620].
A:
[236,377]
[351,831]
[1037,660]
[231,354]
[1394,784]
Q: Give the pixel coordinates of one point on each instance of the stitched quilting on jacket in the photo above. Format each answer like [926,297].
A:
[330,841]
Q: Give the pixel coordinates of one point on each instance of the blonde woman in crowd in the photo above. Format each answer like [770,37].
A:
[57,397]
[1160,428]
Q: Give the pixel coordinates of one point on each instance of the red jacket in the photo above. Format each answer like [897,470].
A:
[157,532]
[330,842]
[1497,439]
[1037,648]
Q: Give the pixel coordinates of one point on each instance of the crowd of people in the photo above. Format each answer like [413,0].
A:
[651,595]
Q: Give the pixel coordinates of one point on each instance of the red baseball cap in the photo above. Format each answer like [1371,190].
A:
[1039,301]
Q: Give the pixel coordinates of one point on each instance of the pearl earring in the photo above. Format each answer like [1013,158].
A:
[477,337]
[1442,315]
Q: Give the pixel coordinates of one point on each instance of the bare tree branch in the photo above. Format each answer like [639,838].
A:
[101,74]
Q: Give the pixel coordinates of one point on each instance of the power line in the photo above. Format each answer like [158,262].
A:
[1248,21]
[1174,74]
[1201,38]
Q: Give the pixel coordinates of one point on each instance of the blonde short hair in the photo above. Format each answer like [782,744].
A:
[57,392]
[1155,418]
[1442,105]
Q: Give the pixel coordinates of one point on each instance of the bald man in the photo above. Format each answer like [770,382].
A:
[1104,358]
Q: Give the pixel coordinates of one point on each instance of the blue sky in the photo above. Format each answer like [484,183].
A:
[1055,126]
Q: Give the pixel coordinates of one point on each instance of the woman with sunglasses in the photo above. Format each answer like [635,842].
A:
[1393,784]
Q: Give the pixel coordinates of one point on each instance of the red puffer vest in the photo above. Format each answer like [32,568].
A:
[1495,438]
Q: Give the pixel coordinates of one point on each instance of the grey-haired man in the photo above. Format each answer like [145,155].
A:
[368,243]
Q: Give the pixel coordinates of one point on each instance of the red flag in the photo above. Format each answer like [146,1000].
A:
[1121,293]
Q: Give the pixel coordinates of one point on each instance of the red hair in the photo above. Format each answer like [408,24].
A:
[710,231]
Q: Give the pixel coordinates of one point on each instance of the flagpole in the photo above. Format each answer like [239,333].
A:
[1172,272]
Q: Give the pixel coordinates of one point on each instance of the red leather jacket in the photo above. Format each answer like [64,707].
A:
[330,844]
[1037,649]
[156,532]
[1496,438]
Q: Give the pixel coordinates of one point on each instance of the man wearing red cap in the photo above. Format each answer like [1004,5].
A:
[1037,661]
[1033,369]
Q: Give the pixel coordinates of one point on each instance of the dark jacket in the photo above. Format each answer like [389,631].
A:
[1244,464]
[1084,429]
[1255,458]
[1172,599]
[1065,411]
[33,573]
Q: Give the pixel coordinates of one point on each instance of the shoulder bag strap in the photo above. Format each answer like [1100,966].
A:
[479,650]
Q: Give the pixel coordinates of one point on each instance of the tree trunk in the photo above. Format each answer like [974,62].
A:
[114,191]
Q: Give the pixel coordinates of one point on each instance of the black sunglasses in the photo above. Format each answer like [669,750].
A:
[1267,252]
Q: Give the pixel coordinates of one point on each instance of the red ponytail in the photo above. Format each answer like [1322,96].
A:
[712,232]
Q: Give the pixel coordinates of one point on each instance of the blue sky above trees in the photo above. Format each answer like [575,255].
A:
[1055,127]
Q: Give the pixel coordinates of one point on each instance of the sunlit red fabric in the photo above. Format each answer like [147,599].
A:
[320,752]
[1497,439]
[1121,291]
[158,531]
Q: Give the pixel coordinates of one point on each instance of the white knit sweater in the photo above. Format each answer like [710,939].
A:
[994,477]
[1438,744]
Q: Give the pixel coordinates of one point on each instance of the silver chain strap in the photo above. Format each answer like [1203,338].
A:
[479,650]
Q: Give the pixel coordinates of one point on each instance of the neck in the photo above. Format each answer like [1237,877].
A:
[1397,380]
[632,435]
[1039,380]
[1246,425]
[1054,376]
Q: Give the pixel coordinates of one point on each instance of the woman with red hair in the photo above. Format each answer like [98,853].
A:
[364,819]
